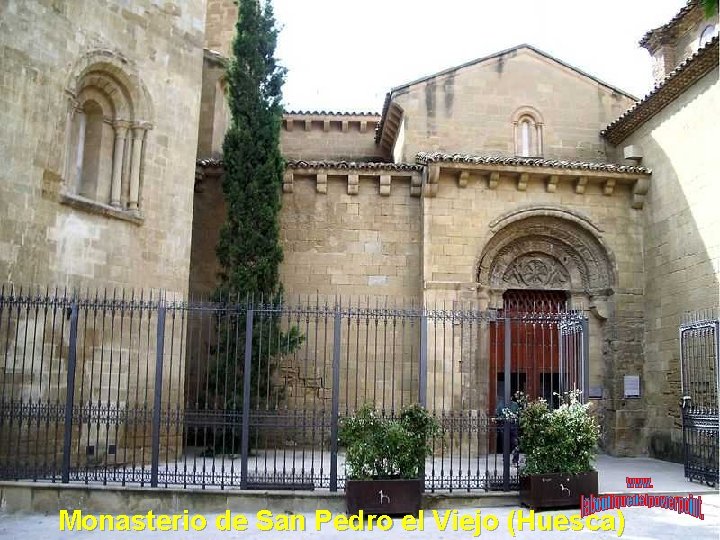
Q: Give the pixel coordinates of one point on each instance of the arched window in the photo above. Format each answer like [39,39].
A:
[527,133]
[108,122]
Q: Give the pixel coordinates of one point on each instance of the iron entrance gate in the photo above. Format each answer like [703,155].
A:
[699,348]
[141,389]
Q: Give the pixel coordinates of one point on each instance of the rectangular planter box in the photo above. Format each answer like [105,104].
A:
[390,497]
[557,490]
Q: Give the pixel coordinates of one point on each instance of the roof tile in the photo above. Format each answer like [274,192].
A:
[425,158]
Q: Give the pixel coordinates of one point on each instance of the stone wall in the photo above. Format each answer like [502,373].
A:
[214,112]
[50,235]
[220,25]
[461,228]
[681,246]
[330,136]
[359,245]
[471,109]
[96,188]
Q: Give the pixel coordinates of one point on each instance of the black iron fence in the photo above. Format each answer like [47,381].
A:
[700,372]
[143,389]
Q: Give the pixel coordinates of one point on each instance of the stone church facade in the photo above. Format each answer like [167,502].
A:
[513,172]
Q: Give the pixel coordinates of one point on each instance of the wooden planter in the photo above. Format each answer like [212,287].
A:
[557,490]
[390,497]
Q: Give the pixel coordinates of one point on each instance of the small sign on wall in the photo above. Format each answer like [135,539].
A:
[632,386]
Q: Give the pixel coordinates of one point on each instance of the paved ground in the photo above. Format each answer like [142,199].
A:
[639,524]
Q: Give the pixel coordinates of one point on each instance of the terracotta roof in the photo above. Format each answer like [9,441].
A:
[331,113]
[667,26]
[360,165]
[213,163]
[425,158]
[664,93]
[498,54]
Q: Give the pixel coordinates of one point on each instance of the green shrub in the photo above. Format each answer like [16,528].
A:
[383,447]
[563,440]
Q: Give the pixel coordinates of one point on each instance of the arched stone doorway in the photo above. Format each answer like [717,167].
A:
[546,249]
[542,261]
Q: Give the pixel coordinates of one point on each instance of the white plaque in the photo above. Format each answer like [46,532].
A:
[632,386]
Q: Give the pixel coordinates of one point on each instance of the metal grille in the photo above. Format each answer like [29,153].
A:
[699,348]
[144,389]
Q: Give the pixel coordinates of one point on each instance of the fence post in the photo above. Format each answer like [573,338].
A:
[585,359]
[422,373]
[506,393]
[70,392]
[157,404]
[335,413]
[247,367]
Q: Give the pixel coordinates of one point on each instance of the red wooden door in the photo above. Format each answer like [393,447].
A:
[534,353]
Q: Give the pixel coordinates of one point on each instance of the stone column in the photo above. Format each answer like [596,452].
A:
[79,156]
[138,135]
[121,128]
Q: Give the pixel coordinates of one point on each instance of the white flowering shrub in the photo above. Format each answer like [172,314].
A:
[563,440]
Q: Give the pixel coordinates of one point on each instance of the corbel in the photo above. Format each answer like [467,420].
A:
[463,179]
[433,178]
[581,184]
[523,182]
[552,183]
[321,183]
[353,184]
[385,180]
[494,180]
[640,189]
[287,182]
[609,186]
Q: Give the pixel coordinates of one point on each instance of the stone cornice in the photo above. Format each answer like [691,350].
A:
[679,80]
[352,165]
[426,158]
[331,113]
[522,171]
[371,166]
[327,121]
[319,171]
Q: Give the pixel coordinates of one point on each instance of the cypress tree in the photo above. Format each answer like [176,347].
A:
[249,249]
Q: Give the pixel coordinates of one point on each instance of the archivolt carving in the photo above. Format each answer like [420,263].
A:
[546,252]
[536,271]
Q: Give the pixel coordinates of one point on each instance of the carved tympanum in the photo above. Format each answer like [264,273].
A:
[536,270]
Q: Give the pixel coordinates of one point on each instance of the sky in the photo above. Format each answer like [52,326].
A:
[345,55]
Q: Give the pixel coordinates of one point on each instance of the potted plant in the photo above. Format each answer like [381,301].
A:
[559,446]
[385,459]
